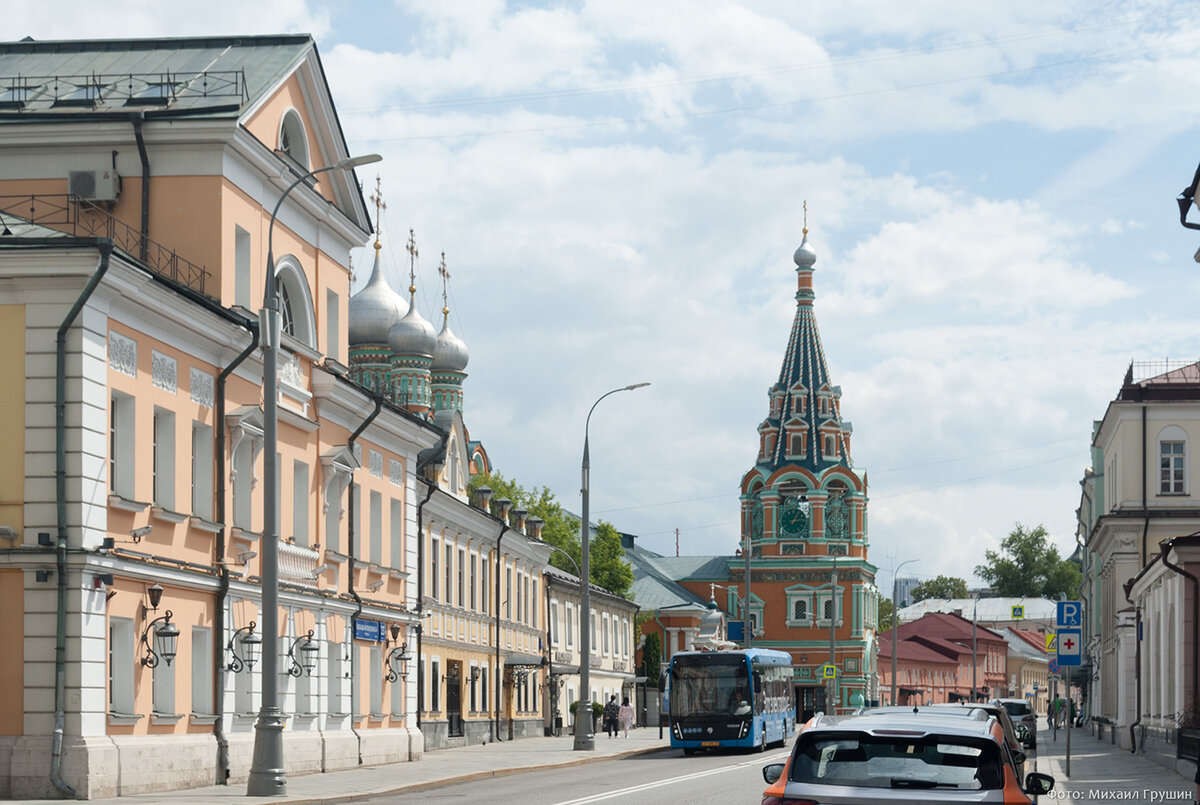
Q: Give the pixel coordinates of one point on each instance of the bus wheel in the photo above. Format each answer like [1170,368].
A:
[762,742]
[688,751]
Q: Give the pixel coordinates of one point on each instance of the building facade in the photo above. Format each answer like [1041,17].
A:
[1137,511]
[944,658]
[611,664]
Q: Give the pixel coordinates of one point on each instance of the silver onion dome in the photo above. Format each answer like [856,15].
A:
[805,256]
[412,335]
[375,308]
[450,354]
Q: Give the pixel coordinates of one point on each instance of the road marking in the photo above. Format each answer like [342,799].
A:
[762,760]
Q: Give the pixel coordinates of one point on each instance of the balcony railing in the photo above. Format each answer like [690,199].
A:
[298,565]
[81,218]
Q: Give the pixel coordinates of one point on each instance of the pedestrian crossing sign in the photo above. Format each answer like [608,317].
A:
[828,670]
[1052,642]
[1018,612]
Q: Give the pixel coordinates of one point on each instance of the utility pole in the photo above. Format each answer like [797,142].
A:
[833,613]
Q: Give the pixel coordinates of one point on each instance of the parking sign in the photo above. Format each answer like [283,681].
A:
[1070,615]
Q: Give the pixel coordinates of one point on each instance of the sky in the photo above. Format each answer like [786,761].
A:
[618,188]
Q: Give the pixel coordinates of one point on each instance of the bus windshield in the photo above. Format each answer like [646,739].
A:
[718,686]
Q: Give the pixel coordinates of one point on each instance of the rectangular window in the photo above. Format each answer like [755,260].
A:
[300,499]
[202,671]
[449,572]
[241,268]
[533,599]
[333,521]
[508,593]
[462,556]
[376,673]
[570,626]
[1171,468]
[485,585]
[376,531]
[242,462]
[304,700]
[396,551]
[595,644]
[552,625]
[164,459]
[202,470]
[474,560]
[433,571]
[435,687]
[520,589]
[483,689]
[604,633]
[121,446]
[333,323]
[120,665]
[474,688]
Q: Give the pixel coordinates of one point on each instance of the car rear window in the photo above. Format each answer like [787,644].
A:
[897,761]
[1017,708]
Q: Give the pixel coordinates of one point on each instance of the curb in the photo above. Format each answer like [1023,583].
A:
[466,778]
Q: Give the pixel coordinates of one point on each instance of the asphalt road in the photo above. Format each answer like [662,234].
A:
[658,778]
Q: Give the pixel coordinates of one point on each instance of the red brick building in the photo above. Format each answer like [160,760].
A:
[941,658]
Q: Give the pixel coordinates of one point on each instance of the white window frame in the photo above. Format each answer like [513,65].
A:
[241,269]
[396,527]
[793,599]
[202,671]
[570,625]
[376,528]
[163,683]
[1173,435]
[121,443]
[375,669]
[120,665]
[604,627]
[202,470]
[300,501]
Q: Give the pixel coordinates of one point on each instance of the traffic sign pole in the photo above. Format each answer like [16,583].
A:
[1069,720]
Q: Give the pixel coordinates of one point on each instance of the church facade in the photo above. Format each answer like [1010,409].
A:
[811,588]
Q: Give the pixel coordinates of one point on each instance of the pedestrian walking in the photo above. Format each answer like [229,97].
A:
[626,716]
[612,712]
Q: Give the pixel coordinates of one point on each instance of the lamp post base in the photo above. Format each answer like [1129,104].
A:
[267,777]
[585,742]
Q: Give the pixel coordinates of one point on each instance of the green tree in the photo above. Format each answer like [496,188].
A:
[606,557]
[886,614]
[940,587]
[652,658]
[1028,564]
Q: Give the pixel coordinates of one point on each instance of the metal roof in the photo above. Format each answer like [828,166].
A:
[222,74]
[991,610]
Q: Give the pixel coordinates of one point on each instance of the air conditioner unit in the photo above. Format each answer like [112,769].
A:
[95,185]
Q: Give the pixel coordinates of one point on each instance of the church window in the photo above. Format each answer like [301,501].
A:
[829,449]
[800,609]
[1171,467]
[837,520]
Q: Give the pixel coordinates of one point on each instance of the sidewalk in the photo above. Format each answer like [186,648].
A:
[433,769]
[1100,770]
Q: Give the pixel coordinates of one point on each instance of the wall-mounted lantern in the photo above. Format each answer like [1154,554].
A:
[397,658]
[308,655]
[165,638]
[249,641]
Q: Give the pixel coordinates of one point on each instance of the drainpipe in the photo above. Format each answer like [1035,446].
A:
[352,528]
[420,591]
[105,246]
[1145,481]
[1137,668]
[223,586]
[499,672]
[1165,546]
[137,121]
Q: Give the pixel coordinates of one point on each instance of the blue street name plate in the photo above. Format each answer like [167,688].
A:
[368,630]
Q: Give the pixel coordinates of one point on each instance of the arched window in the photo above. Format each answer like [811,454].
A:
[293,141]
[800,609]
[295,302]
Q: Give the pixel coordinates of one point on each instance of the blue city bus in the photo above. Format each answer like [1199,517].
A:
[722,699]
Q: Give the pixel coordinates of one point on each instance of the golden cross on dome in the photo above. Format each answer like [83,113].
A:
[380,206]
[806,216]
[445,279]
[411,247]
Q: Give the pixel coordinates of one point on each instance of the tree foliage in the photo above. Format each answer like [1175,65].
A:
[606,557]
[652,657]
[940,587]
[1028,564]
[886,614]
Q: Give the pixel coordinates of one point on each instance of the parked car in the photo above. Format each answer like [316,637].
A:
[887,758]
[1021,713]
[978,710]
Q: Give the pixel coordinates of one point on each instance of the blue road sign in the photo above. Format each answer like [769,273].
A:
[1070,614]
[1070,647]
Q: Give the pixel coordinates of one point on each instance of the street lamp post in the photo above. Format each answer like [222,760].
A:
[895,625]
[584,739]
[267,777]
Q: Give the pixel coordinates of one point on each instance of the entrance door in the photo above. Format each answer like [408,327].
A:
[809,701]
[454,699]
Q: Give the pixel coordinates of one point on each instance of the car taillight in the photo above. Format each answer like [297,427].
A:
[785,801]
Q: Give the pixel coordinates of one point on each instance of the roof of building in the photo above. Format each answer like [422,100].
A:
[947,625]
[554,574]
[912,651]
[656,577]
[1024,643]
[220,76]
[990,610]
